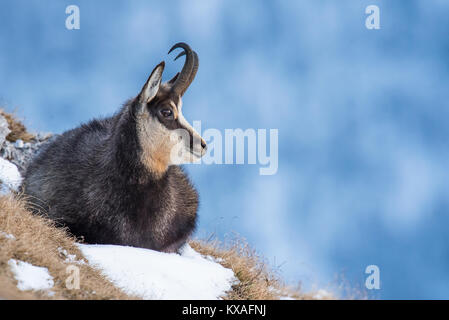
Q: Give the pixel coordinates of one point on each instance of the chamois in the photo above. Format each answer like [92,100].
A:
[117,180]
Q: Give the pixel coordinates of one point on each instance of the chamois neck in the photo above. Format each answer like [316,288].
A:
[128,152]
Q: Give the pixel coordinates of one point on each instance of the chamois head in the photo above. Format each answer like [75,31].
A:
[165,136]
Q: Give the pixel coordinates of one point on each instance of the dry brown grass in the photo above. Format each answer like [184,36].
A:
[257,280]
[18,130]
[37,241]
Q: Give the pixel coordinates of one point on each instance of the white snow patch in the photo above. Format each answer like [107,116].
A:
[30,277]
[10,178]
[151,274]
[7,235]
[187,251]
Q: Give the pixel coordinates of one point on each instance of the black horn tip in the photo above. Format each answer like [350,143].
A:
[183,45]
[180,55]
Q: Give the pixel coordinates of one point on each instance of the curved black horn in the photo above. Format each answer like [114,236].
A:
[189,69]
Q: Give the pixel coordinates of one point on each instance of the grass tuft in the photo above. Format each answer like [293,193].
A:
[256,279]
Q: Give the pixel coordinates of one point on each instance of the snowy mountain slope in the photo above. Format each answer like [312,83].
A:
[35,254]
[155,275]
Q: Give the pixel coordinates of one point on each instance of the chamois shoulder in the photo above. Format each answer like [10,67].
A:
[73,144]
[87,134]
[95,126]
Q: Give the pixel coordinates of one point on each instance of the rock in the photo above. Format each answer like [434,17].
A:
[4,130]
[10,178]
[20,153]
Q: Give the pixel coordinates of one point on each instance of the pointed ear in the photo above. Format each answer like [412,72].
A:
[151,87]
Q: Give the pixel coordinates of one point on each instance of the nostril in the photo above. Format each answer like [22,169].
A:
[203,144]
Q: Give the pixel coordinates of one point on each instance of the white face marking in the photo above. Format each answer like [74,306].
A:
[197,148]
[158,142]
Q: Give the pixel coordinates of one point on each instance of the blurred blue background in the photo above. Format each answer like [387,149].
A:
[362,118]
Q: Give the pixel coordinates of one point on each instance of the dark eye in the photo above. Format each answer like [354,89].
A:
[166,113]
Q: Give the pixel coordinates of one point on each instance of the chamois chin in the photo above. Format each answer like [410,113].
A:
[116,180]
